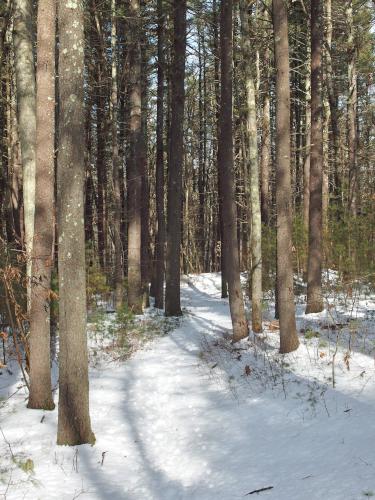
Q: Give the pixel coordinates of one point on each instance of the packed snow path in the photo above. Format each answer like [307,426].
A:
[170,425]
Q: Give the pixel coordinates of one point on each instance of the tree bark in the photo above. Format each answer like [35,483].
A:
[252,146]
[226,176]
[160,234]
[176,156]
[74,425]
[352,112]
[40,395]
[224,283]
[145,214]
[315,256]
[26,102]
[265,157]
[135,293]
[116,179]
[101,167]
[286,308]
[306,163]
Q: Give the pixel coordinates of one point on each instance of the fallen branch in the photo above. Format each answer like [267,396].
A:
[259,491]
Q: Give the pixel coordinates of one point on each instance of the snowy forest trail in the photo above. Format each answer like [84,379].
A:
[185,419]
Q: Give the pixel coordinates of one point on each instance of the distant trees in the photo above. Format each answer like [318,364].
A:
[352,109]
[256,136]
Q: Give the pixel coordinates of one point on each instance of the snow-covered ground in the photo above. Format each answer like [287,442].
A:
[190,416]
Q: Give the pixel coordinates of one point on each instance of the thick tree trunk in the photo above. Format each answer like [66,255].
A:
[74,425]
[176,156]
[226,176]
[314,265]
[116,179]
[135,293]
[42,263]
[160,234]
[252,146]
[26,99]
[286,308]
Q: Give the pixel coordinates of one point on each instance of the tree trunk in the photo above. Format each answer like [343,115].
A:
[201,155]
[286,308]
[74,425]
[314,265]
[224,283]
[265,157]
[145,214]
[101,168]
[252,146]
[306,163]
[25,78]
[116,179]
[326,123]
[352,112]
[40,396]
[174,213]
[160,234]
[14,207]
[135,293]
[226,176]
[332,95]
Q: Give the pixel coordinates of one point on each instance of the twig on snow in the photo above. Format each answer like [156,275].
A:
[260,490]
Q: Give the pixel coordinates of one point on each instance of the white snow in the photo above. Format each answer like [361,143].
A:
[191,416]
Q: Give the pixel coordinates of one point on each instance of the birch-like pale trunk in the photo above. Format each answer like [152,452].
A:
[26,110]
[252,157]
[265,155]
[306,161]
[352,111]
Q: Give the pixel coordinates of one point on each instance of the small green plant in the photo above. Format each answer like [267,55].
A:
[96,280]
[368,493]
[311,334]
[124,321]
[27,465]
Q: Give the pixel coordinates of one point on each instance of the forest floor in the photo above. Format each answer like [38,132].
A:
[190,416]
